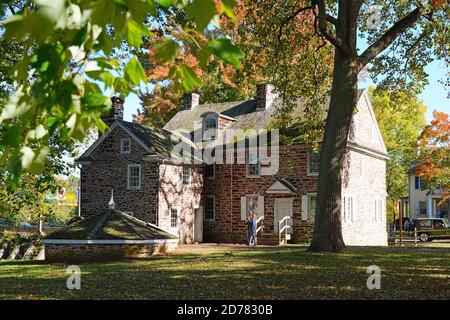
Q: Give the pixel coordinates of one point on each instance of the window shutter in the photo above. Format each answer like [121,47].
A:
[243,208]
[304,207]
[261,206]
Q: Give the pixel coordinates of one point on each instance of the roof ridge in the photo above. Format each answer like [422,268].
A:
[99,224]
[222,103]
[123,218]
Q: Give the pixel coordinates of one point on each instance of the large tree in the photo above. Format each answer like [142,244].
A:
[403,37]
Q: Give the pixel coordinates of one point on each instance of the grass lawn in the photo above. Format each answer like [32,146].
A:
[215,272]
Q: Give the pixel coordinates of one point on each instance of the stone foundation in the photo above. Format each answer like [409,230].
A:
[103,252]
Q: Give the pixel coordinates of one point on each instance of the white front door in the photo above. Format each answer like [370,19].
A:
[282,208]
[198,224]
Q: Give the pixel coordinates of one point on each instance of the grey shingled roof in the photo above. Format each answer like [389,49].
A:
[245,113]
[160,141]
[112,225]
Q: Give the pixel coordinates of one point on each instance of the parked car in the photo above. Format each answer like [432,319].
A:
[429,229]
[397,222]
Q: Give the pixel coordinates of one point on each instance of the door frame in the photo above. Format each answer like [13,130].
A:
[277,201]
[198,212]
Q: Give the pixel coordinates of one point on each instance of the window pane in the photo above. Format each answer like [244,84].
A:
[186,175]
[313,161]
[209,208]
[422,207]
[134,176]
[173,217]
[252,205]
[210,129]
[125,146]
[253,164]
[209,171]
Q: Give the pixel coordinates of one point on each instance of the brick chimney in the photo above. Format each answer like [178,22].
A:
[265,95]
[116,112]
[190,100]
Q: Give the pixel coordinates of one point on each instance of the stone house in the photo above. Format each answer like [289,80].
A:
[202,200]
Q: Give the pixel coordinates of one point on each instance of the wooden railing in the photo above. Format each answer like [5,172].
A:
[259,221]
[283,227]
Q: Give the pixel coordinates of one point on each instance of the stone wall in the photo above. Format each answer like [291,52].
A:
[102,252]
[186,198]
[231,183]
[364,181]
[108,170]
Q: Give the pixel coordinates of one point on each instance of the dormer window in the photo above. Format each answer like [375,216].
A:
[125,146]
[210,127]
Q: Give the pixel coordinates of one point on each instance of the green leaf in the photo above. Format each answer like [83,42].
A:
[226,50]
[202,12]
[134,33]
[166,51]
[134,71]
[165,3]
[139,9]
[227,7]
[14,108]
[12,137]
[34,161]
[203,56]
[95,99]
[37,133]
[189,79]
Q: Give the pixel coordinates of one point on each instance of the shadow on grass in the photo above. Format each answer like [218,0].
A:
[240,274]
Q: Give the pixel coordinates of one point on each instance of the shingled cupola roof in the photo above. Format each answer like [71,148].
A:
[113,225]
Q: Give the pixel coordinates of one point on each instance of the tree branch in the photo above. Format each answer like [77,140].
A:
[389,36]
[323,19]
[292,16]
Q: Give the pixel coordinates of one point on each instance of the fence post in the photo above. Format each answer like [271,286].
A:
[415,236]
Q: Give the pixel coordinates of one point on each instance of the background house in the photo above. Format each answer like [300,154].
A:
[422,201]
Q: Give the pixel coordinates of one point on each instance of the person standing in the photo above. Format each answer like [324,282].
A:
[251,230]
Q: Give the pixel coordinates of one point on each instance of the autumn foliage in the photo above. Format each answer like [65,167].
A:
[279,52]
[434,148]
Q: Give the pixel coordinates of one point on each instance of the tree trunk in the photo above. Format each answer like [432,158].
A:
[327,230]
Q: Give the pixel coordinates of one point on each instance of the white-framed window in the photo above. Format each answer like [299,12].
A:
[210,127]
[313,158]
[253,164]
[423,207]
[210,208]
[349,214]
[187,175]
[125,146]
[312,204]
[210,171]
[134,176]
[174,217]
[252,203]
